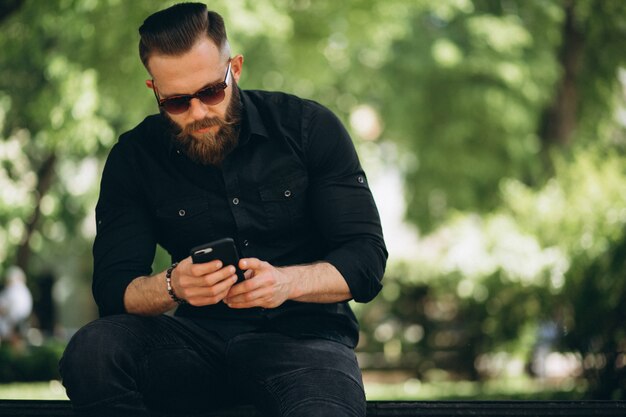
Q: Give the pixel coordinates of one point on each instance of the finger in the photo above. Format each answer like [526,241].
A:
[206,268]
[216,277]
[208,280]
[265,302]
[248,274]
[187,267]
[211,295]
[238,289]
[216,293]
[251,263]
[248,299]
[258,302]
[246,286]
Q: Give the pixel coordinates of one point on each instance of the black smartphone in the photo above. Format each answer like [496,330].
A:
[223,249]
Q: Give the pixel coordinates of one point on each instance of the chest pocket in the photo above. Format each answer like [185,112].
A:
[284,203]
[183,223]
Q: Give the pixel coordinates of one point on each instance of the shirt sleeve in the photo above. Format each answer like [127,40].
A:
[343,205]
[125,244]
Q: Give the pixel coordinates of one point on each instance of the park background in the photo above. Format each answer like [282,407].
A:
[493,133]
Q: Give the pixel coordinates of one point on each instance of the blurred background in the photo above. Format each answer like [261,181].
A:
[493,133]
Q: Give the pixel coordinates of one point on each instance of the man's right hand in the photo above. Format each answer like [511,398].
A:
[202,284]
[198,284]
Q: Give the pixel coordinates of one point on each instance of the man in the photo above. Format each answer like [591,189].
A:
[280,176]
[16,304]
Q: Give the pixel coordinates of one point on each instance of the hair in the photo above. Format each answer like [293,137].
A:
[174,31]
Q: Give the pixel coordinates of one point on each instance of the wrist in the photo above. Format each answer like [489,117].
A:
[170,288]
[294,290]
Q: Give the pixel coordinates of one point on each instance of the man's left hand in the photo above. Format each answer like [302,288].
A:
[265,286]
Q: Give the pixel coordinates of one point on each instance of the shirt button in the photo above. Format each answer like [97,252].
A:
[360,179]
[246,243]
[235,201]
[182,213]
[287,193]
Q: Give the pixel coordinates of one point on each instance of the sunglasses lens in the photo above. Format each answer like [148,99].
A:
[211,96]
[176,105]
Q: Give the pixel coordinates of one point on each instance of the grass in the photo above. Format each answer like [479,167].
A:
[52,390]
[377,389]
[415,390]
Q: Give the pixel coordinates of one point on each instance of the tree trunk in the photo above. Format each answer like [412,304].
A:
[559,119]
[45,174]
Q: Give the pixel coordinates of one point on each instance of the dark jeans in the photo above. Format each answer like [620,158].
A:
[138,366]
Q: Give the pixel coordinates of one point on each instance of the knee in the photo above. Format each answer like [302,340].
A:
[321,392]
[95,342]
[96,350]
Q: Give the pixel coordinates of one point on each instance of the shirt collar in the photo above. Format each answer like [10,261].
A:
[164,130]
[252,118]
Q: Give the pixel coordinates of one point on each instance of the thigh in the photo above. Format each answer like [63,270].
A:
[298,377]
[171,363]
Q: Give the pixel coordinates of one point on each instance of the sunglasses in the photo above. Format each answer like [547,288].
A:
[211,95]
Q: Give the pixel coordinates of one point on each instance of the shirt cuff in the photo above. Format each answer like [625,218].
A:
[362,269]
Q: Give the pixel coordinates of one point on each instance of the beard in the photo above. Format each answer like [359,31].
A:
[210,148]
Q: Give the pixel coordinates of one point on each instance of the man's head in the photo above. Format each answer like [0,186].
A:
[186,51]
[175,30]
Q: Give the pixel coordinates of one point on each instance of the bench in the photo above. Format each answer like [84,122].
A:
[61,408]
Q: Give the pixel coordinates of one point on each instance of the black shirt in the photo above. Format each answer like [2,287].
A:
[291,192]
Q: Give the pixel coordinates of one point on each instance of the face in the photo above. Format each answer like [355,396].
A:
[205,132]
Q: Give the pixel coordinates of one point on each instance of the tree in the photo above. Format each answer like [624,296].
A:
[70,72]
[490,102]
[496,88]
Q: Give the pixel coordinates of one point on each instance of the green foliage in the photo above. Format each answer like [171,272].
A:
[53,124]
[479,284]
[479,78]
[35,363]
[603,24]
[516,230]
[582,209]
[476,79]
[594,312]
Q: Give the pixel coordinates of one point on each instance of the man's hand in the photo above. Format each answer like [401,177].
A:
[202,284]
[265,286]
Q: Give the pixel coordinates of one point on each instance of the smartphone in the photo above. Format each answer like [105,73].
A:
[223,249]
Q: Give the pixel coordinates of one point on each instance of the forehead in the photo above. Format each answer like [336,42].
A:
[186,73]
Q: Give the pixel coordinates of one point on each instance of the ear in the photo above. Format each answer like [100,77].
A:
[236,65]
[150,84]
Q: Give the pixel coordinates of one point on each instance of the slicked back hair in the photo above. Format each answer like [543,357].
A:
[174,31]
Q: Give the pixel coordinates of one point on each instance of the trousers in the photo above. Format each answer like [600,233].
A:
[129,365]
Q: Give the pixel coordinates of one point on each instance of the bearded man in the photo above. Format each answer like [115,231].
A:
[280,176]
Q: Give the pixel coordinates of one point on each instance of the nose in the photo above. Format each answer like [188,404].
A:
[197,109]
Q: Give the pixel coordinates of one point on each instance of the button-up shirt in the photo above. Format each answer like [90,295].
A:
[291,192]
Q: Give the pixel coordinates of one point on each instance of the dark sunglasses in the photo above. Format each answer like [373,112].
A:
[211,95]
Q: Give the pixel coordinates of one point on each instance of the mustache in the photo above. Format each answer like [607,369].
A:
[204,123]
[208,122]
